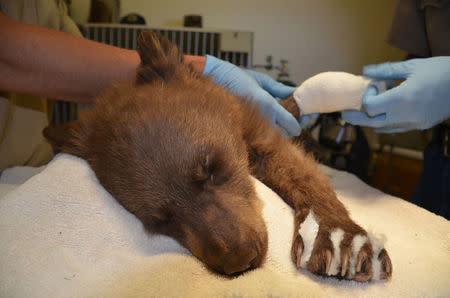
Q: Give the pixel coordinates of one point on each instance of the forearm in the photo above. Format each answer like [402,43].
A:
[41,61]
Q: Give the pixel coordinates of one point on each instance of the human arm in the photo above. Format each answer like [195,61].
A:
[46,62]
[42,61]
[420,102]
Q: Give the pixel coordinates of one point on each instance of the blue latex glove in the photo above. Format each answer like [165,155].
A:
[258,87]
[420,102]
[280,91]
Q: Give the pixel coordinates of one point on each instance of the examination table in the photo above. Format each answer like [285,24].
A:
[63,235]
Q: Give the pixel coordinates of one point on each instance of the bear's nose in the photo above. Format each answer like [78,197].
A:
[241,258]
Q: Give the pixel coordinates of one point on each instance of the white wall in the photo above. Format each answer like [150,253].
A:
[314,36]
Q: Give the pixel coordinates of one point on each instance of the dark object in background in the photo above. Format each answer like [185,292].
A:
[346,144]
[359,156]
[433,190]
[193,21]
[103,11]
[133,19]
[288,83]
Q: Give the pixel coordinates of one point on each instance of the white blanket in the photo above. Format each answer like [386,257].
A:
[63,235]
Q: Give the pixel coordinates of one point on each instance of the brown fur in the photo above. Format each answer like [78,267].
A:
[177,151]
[305,139]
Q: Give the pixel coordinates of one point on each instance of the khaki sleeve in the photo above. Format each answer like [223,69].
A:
[422,27]
[23,117]
[437,20]
[408,29]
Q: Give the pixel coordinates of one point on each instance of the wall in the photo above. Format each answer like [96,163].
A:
[314,36]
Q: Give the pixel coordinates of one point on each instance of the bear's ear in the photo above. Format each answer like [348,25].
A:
[68,138]
[159,58]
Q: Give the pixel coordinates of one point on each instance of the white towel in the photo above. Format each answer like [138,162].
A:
[63,235]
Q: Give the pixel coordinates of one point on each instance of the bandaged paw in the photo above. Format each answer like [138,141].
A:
[329,92]
[338,253]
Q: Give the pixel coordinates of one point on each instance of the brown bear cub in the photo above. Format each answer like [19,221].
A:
[177,151]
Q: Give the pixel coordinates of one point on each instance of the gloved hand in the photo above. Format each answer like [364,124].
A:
[259,87]
[280,91]
[420,102]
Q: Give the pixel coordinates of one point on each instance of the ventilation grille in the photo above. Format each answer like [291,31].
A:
[191,42]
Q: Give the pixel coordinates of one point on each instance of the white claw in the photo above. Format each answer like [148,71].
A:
[377,246]
[336,238]
[308,230]
[357,243]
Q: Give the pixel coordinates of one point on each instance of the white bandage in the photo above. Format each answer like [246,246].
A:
[329,92]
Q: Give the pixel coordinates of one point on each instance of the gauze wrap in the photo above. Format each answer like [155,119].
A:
[332,91]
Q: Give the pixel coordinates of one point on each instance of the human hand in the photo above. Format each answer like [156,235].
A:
[420,102]
[281,91]
[259,87]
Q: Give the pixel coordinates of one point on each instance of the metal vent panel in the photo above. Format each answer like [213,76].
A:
[191,41]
